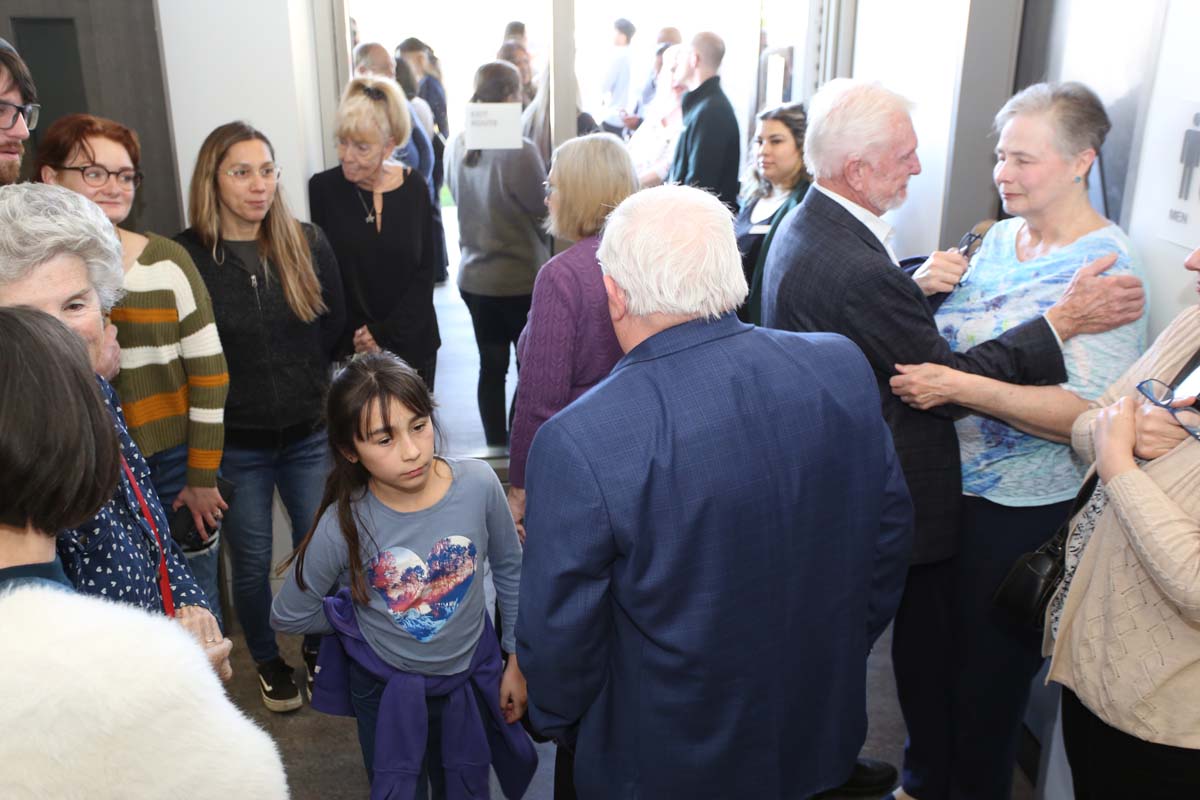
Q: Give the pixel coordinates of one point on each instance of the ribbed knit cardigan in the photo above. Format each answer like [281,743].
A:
[1129,640]
[173,378]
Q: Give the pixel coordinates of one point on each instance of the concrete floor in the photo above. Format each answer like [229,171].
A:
[321,753]
[324,762]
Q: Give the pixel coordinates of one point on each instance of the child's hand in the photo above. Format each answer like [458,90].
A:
[513,695]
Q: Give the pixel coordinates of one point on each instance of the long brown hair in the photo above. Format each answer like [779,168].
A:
[281,238]
[368,381]
[495,82]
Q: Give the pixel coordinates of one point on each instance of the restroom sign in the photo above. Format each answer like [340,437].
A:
[493,126]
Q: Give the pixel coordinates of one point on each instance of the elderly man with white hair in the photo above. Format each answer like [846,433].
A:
[832,268]
[716,534]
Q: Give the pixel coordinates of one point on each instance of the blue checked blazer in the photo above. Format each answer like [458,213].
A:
[826,272]
[717,533]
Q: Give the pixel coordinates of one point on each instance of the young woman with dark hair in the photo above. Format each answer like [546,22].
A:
[277,296]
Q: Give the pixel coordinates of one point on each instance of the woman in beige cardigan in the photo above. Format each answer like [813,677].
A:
[1124,627]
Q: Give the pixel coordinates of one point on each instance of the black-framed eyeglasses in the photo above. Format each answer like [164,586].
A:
[967,246]
[9,111]
[96,176]
[1162,395]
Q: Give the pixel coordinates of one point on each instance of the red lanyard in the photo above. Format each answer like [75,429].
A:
[164,581]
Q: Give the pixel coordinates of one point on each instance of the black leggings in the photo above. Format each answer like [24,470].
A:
[1109,764]
[498,322]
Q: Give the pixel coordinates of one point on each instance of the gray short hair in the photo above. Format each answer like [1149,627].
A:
[672,249]
[1075,112]
[39,222]
[849,118]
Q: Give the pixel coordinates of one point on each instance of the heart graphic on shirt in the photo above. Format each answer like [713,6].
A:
[422,595]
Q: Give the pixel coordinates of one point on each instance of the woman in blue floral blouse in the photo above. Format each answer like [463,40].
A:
[60,254]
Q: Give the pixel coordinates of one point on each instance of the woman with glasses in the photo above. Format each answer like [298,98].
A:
[276,295]
[1019,474]
[379,220]
[173,380]
[501,207]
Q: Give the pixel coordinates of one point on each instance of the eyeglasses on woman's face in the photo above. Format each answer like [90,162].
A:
[96,176]
[242,172]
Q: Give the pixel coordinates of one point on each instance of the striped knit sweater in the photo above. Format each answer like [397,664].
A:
[173,378]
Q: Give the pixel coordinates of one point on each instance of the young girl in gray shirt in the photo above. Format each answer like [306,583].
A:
[404,533]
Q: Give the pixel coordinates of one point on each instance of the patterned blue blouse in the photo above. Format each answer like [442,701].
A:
[114,554]
[999,462]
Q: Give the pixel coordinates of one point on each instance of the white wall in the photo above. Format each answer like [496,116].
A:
[231,59]
[919,56]
[1175,98]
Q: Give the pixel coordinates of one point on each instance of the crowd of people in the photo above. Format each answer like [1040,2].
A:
[747,438]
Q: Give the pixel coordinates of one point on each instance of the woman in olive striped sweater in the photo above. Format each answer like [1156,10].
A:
[173,379]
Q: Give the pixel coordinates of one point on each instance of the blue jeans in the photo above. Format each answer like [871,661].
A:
[298,470]
[168,472]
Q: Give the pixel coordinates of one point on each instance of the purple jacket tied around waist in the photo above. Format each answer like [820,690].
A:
[469,742]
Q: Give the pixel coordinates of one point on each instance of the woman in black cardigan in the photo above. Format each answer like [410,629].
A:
[277,299]
[379,219]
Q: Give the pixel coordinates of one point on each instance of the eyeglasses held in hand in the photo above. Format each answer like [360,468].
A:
[244,173]
[9,111]
[967,246]
[1162,395]
[96,176]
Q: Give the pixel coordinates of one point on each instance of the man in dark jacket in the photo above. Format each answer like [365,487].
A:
[832,268]
[706,154]
[717,534]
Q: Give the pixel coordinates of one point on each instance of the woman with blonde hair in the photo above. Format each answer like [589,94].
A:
[568,344]
[379,220]
[277,299]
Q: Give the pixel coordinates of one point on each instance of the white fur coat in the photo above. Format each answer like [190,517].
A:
[100,700]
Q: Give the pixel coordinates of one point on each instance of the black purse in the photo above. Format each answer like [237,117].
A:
[1025,592]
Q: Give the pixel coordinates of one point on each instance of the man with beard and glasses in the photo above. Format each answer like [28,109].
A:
[18,111]
[832,268]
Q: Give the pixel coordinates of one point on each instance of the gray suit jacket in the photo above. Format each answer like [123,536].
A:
[827,272]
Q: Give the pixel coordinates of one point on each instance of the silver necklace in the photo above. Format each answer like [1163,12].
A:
[363,203]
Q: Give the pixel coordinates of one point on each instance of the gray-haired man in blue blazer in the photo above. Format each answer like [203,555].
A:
[717,533]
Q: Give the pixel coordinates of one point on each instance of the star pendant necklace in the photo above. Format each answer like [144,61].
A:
[370,212]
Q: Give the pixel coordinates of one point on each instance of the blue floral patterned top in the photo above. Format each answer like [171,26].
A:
[999,462]
[115,554]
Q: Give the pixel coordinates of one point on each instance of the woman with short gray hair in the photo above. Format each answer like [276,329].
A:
[60,254]
[1019,475]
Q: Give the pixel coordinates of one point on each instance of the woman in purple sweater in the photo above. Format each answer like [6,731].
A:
[568,345]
